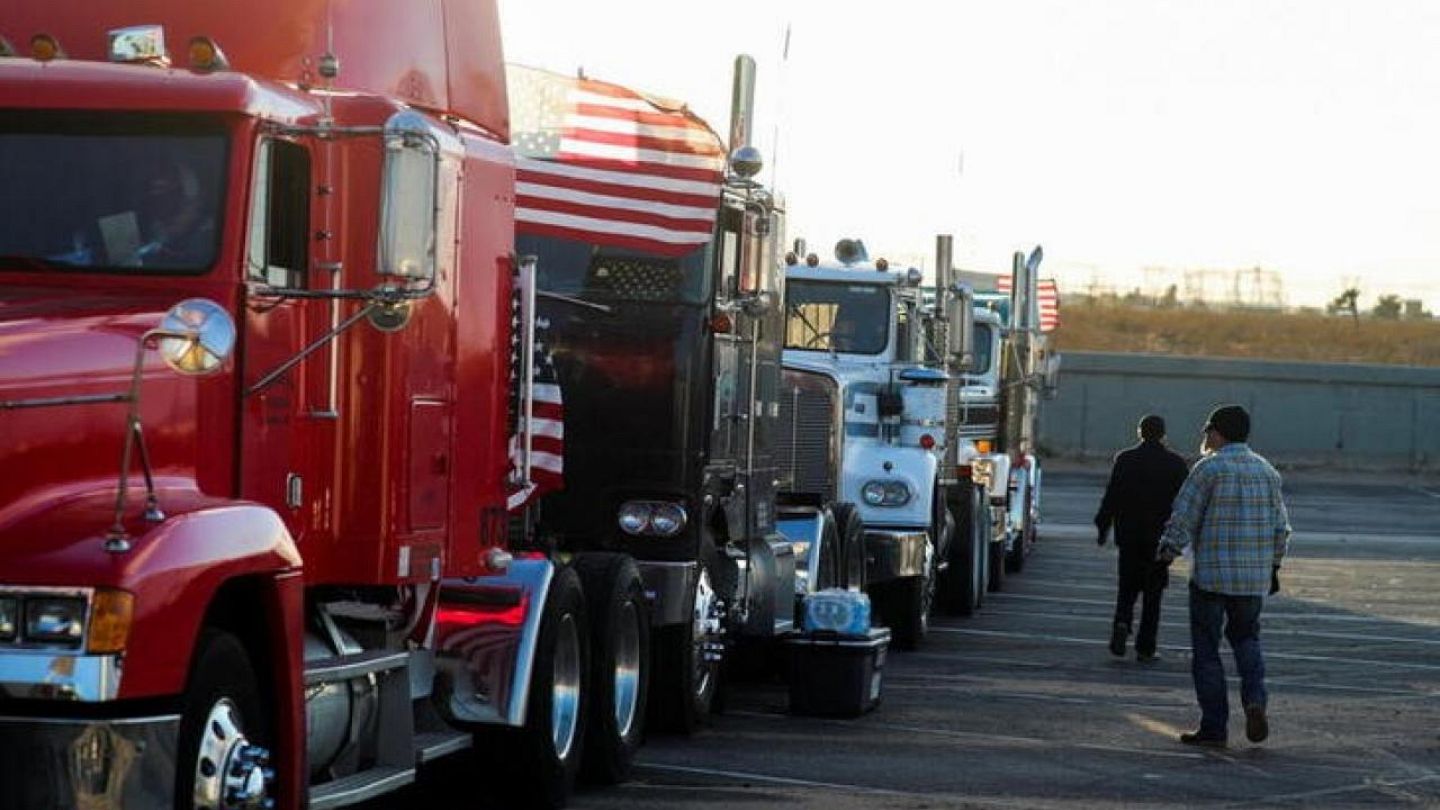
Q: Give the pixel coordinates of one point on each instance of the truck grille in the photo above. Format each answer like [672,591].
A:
[806,446]
[981,421]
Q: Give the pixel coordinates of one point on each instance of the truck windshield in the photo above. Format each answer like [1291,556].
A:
[134,194]
[837,317]
[592,272]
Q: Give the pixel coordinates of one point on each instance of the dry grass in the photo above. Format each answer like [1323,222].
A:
[1271,336]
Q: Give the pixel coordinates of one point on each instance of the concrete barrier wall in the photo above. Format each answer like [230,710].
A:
[1358,416]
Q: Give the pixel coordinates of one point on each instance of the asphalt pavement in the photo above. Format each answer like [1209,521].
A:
[1022,705]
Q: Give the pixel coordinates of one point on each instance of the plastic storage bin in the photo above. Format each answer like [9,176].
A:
[837,676]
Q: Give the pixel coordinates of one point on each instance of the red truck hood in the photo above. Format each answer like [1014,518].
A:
[64,343]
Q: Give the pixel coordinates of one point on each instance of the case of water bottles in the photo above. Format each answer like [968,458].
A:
[837,662]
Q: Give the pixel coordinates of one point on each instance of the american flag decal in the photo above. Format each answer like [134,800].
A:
[1049,295]
[599,163]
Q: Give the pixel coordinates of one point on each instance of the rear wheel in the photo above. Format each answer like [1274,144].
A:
[687,662]
[223,761]
[547,750]
[619,664]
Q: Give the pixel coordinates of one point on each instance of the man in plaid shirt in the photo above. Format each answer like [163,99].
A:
[1231,513]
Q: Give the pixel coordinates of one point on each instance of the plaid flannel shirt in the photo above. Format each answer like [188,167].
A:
[1231,510]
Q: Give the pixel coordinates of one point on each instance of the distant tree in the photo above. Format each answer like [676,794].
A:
[1171,298]
[1387,307]
[1347,301]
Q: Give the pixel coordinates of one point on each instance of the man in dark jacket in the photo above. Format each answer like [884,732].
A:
[1143,484]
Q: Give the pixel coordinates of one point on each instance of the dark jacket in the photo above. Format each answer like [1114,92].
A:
[1143,484]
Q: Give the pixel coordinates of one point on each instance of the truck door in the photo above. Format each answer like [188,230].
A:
[288,418]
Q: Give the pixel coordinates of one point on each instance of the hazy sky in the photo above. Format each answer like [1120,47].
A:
[1300,136]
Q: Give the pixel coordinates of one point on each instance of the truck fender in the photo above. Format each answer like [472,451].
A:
[486,632]
[176,571]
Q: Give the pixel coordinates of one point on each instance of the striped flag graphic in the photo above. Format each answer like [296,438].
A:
[599,163]
[547,429]
[1049,295]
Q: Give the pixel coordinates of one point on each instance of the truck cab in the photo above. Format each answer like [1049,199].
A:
[863,378]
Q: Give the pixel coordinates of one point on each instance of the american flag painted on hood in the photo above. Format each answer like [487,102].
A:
[600,163]
[1049,295]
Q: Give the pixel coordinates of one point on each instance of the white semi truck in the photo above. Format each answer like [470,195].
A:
[902,405]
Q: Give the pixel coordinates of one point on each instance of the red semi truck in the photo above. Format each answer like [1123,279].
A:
[261,332]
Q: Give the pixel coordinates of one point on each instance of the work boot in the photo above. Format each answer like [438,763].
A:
[1147,657]
[1257,726]
[1118,634]
[1203,739]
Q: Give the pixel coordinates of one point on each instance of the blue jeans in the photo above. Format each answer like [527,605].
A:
[1239,618]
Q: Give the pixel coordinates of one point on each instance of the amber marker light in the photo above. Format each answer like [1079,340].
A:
[44,48]
[110,618]
[983,445]
[206,56]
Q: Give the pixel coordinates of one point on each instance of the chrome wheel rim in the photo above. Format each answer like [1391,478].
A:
[627,668]
[231,773]
[565,687]
[927,591]
[706,625]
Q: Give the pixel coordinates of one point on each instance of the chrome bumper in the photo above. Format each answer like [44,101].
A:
[894,554]
[57,675]
[94,764]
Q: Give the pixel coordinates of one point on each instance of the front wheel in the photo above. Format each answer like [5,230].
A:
[223,763]
[999,561]
[1015,560]
[851,529]
[687,662]
[907,606]
[620,664]
[547,750]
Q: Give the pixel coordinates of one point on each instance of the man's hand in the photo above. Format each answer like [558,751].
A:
[1274,580]
[1165,554]
[1100,537]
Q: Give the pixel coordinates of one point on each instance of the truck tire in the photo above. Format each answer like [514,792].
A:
[851,529]
[960,584]
[619,665]
[541,759]
[224,728]
[908,603]
[1015,559]
[999,561]
[687,673]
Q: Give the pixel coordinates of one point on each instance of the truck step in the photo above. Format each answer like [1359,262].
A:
[359,787]
[345,667]
[432,745]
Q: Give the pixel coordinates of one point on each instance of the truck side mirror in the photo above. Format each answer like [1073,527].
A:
[409,207]
[960,337]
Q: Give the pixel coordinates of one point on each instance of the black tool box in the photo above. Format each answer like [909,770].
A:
[836,676]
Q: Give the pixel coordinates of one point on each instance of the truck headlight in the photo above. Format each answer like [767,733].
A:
[656,518]
[885,493]
[634,517]
[9,617]
[668,519]
[55,620]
